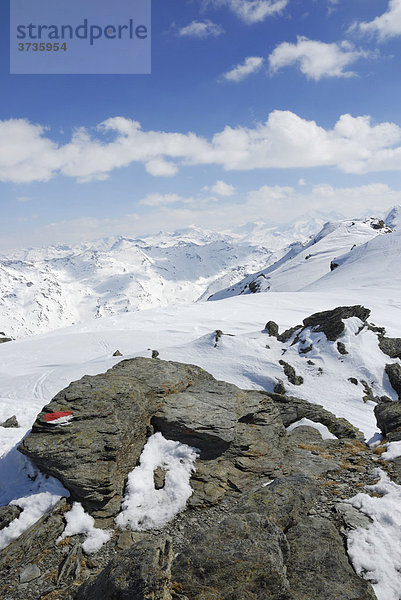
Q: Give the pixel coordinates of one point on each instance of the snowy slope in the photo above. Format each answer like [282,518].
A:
[374,264]
[43,289]
[307,263]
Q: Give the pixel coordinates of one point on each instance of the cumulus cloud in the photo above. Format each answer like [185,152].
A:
[242,70]
[316,59]
[252,11]
[159,167]
[386,25]
[201,29]
[221,188]
[285,140]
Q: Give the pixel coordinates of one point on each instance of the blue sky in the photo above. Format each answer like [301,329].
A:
[255,109]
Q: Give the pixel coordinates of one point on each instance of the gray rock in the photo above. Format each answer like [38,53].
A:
[241,557]
[117,353]
[330,322]
[289,371]
[272,328]
[288,333]
[285,501]
[29,573]
[294,409]
[8,514]
[141,573]
[279,388]
[93,454]
[394,374]
[4,339]
[352,517]
[390,346]
[159,478]
[204,416]
[318,567]
[388,418]
[155,353]
[10,422]
[341,348]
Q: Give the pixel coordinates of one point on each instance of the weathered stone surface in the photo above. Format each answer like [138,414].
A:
[285,501]
[10,422]
[272,328]
[318,567]
[204,416]
[288,333]
[294,409]
[93,454]
[388,417]
[256,490]
[390,346]
[141,573]
[8,514]
[29,573]
[330,322]
[352,517]
[394,374]
[241,557]
[290,373]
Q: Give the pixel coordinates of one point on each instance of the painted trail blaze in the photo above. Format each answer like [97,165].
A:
[57,415]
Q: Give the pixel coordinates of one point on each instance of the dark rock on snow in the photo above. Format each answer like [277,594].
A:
[330,322]
[272,328]
[289,371]
[10,422]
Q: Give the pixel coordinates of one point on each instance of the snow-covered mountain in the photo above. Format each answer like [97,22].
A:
[42,289]
[314,265]
[347,375]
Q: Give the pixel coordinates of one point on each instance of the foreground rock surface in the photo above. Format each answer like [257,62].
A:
[265,517]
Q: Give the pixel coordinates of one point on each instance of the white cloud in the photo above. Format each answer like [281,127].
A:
[23,199]
[25,153]
[316,59]
[164,199]
[201,29]
[242,70]
[285,140]
[159,167]
[221,188]
[252,11]
[386,25]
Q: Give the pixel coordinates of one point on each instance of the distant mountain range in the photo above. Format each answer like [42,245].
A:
[43,289]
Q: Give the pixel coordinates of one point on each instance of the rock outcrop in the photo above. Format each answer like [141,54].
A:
[261,522]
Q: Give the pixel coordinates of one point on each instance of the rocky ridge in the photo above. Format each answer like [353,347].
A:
[268,514]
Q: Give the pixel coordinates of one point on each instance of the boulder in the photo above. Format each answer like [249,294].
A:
[141,573]
[93,453]
[241,557]
[394,374]
[330,322]
[318,567]
[388,417]
[10,422]
[290,373]
[8,514]
[390,346]
[294,409]
[272,328]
